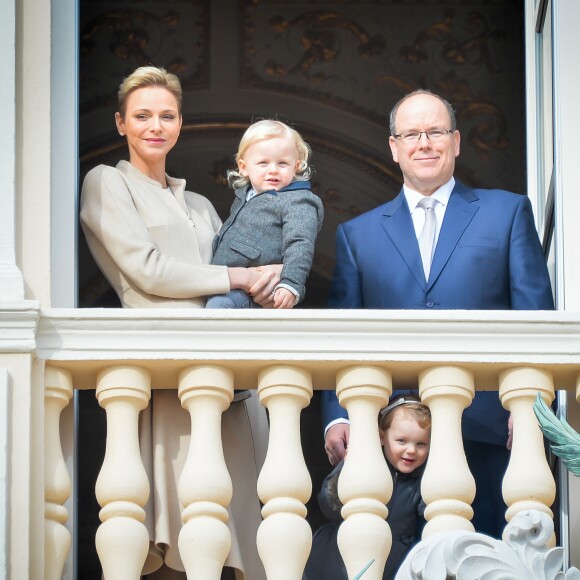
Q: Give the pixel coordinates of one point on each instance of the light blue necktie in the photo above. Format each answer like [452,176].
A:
[427,235]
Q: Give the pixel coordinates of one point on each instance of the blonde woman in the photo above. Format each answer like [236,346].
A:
[152,239]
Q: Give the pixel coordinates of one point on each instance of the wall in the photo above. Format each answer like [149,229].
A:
[33,117]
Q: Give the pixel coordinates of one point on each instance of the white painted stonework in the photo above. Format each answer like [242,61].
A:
[472,556]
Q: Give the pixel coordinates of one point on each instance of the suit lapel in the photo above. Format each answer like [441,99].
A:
[399,227]
[459,213]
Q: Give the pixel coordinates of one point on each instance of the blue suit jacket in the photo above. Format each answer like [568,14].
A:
[488,257]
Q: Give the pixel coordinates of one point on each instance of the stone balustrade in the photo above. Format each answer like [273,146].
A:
[285,380]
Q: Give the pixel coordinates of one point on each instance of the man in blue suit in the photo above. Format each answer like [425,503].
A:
[486,255]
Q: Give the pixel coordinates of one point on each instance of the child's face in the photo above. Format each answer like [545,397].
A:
[405,443]
[270,164]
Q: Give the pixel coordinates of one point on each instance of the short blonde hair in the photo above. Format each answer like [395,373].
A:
[268,129]
[148,76]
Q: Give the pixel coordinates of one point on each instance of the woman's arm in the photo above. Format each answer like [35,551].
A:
[123,246]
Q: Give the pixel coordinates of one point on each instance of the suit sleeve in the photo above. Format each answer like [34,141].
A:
[331,409]
[345,291]
[301,221]
[530,286]
[121,243]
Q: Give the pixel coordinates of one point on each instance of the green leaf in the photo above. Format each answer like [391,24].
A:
[564,441]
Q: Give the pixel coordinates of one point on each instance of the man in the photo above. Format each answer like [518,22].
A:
[475,249]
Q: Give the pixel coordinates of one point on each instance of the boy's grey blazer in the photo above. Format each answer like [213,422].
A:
[272,228]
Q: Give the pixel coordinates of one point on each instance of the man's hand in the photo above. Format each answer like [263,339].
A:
[336,442]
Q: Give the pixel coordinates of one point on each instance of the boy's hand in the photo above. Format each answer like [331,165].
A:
[283,298]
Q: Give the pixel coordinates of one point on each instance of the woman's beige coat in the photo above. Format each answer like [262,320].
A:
[154,247]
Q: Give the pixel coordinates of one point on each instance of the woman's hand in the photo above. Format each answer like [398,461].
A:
[262,291]
[258,282]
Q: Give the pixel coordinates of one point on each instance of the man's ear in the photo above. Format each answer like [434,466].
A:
[394,150]
[457,141]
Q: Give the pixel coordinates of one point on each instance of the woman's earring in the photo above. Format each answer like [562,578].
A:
[121,133]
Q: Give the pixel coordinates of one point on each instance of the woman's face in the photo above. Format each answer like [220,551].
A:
[152,123]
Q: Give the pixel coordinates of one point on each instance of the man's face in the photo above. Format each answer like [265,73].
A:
[426,165]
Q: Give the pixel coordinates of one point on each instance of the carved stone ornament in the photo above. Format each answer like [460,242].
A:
[470,556]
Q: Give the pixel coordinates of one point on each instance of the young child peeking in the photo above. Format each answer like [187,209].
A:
[405,432]
[275,218]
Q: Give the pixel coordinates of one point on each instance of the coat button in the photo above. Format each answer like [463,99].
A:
[429,304]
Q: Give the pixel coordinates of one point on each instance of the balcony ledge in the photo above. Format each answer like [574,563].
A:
[486,342]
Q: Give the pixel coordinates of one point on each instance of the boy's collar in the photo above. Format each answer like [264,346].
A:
[291,187]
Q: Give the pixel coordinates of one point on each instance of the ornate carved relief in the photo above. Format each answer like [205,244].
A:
[328,52]
[118,37]
[362,56]
[471,556]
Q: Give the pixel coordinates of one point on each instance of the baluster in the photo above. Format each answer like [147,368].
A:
[58,391]
[122,488]
[528,483]
[284,486]
[205,486]
[365,484]
[448,488]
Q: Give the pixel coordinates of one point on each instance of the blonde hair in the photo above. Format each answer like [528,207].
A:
[409,404]
[148,76]
[268,129]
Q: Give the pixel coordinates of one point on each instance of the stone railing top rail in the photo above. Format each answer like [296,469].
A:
[322,341]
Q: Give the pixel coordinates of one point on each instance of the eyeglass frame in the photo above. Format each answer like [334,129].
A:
[426,133]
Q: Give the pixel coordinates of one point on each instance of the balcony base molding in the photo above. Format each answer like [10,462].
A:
[18,325]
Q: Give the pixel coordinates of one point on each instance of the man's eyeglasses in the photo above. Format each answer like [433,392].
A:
[431,134]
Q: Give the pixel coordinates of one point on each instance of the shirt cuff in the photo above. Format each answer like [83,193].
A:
[290,289]
[336,422]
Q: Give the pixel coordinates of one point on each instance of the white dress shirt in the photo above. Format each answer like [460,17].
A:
[413,198]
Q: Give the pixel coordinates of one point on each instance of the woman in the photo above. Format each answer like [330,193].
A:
[152,240]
